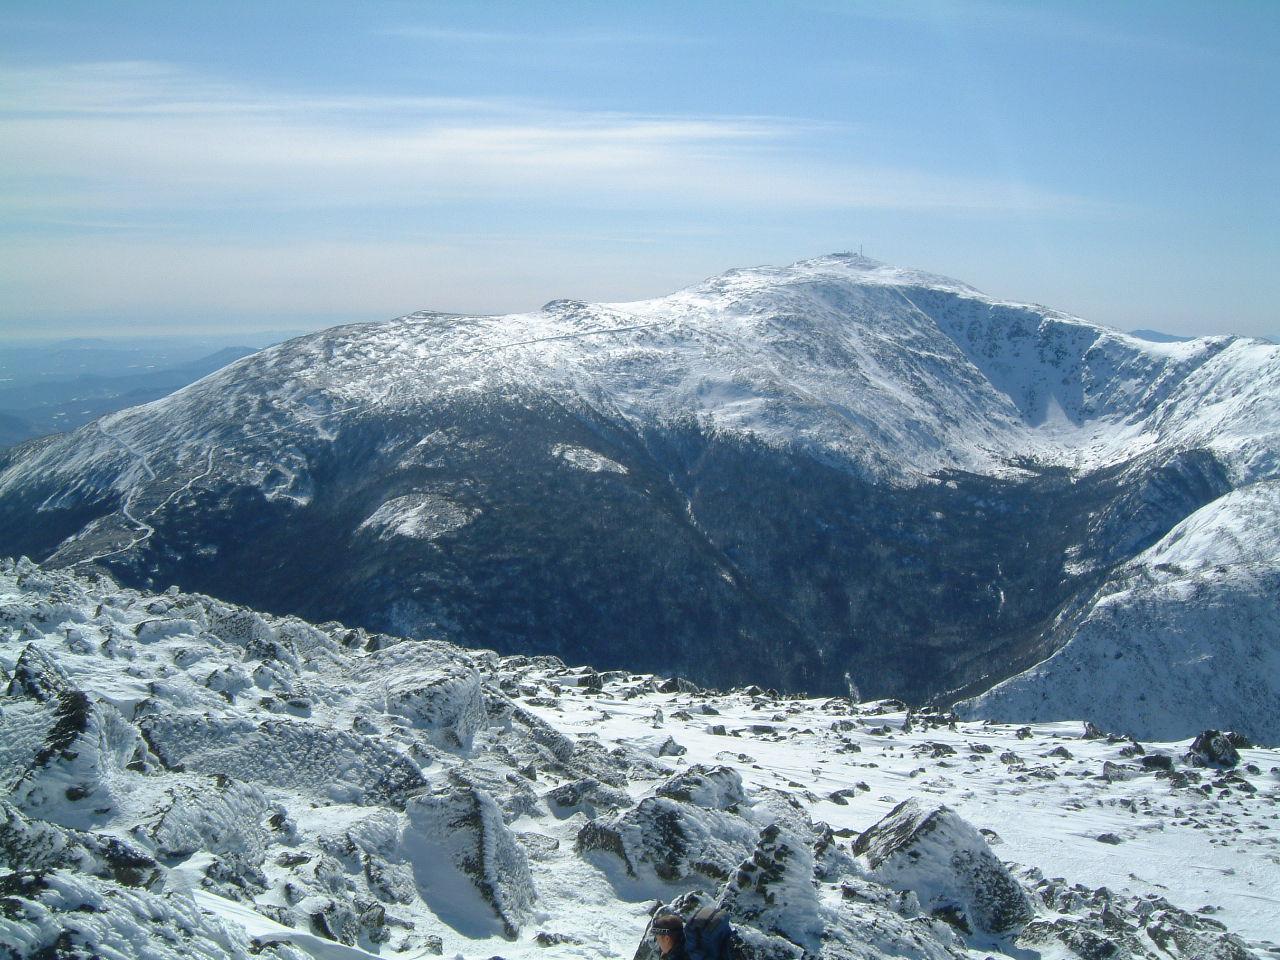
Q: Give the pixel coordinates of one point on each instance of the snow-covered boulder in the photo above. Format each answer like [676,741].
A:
[773,891]
[672,841]
[946,863]
[715,788]
[430,687]
[468,865]
[284,753]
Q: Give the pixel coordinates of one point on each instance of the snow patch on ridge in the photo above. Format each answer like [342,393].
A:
[587,460]
[417,516]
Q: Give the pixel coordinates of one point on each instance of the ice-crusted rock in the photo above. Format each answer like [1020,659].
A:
[37,677]
[61,913]
[74,776]
[945,861]
[286,753]
[588,795]
[672,841]
[773,889]
[40,846]
[715,788]
[252,633]
[871,922]
[220,815]
[457,841]
[1097,924]
[432,689]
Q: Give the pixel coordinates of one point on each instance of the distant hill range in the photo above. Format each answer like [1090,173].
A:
[832,474]
[1155,336]
[34,409]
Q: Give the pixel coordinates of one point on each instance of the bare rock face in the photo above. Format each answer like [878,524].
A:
[468,865]
[946,862]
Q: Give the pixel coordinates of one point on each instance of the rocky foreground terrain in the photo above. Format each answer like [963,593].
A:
[182,777]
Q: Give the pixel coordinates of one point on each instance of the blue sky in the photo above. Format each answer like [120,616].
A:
[171,167]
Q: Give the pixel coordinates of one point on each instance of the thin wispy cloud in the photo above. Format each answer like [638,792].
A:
[147,135]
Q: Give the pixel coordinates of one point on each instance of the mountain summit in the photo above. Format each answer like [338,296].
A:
[832,473]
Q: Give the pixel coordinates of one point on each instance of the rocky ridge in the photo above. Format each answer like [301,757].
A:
[185,777]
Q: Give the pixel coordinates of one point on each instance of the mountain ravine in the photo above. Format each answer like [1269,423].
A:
[830,474]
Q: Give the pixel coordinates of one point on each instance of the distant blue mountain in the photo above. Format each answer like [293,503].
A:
[1155,336]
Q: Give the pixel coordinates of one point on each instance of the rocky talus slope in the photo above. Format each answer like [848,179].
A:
[183,777]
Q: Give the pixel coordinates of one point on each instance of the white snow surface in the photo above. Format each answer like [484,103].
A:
[295,797]
[417,516]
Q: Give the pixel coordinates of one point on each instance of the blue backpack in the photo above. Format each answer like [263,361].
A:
[708,935]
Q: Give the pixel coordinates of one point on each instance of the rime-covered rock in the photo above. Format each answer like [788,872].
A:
[328,762]
[945,861]
[671,841]
[773,890]
[37,677]
[1097,924]
[431,689]
[62,913]
[223,816]
[457,841]
[715,788]
[588,795]
[75,776]
[39,846]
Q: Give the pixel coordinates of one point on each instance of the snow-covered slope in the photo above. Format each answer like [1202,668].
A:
[187,778]
[1187,634]
[835,468]
[900,371]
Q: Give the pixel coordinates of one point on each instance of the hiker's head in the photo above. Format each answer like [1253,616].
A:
[668,932]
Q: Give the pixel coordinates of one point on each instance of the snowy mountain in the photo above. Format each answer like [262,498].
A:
[183,777]
[830,473]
